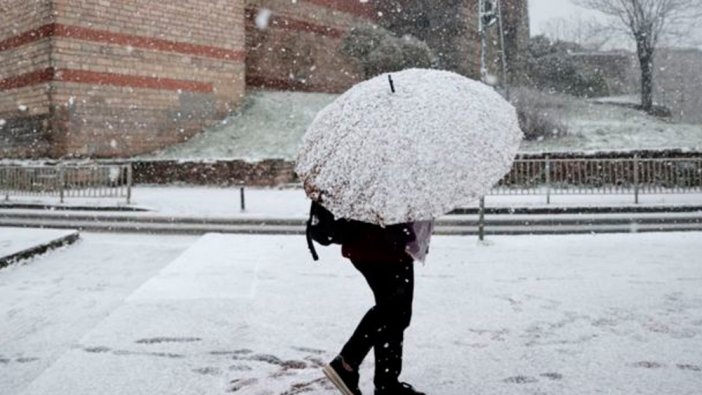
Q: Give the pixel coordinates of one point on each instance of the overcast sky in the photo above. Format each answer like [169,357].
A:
[540,11]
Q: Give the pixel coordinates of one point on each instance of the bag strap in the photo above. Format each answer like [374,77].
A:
[308,234]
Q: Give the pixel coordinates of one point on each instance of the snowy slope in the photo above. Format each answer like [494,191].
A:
[272,123]
[601,126]
[269,125]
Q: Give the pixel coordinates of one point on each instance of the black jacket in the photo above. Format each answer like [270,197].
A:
[366,242]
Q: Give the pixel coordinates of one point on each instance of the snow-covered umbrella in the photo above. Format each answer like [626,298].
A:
[408,146]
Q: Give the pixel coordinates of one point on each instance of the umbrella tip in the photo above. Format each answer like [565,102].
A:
[392,85]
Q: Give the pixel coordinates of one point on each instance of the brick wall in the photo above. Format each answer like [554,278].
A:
[220,172]
[280,172]
[131,76]
[141,75]
[298,48]
[116,78]
[24,88]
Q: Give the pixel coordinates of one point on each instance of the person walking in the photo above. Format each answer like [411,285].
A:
[400,148]
[385,256]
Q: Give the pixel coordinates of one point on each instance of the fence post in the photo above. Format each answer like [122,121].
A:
[129,183]
[6,183]
[636,179]
[548,179]
[481,219]
[242,198]
[62,182]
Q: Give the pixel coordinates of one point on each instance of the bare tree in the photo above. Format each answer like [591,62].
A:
[647,22]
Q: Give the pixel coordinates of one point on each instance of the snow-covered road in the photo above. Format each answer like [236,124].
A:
[581,314]
[48,303]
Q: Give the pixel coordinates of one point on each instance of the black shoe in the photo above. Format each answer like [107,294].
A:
[399,389]
[344,379]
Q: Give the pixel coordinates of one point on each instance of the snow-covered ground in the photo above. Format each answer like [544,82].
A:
[48,303]
[17,240]
[631,100]
[616,314]
[601,126]
[183,201]
[269,125]
[272,123]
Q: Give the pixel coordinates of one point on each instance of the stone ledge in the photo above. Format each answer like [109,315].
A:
[39,249]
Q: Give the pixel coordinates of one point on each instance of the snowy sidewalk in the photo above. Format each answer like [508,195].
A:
[292,203]
[617,314]
[199,210]
[18,243]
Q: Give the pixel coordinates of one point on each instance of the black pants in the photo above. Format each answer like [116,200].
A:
[383,325]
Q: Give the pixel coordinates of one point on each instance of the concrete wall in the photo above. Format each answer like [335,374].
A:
[678,83]
[516,28]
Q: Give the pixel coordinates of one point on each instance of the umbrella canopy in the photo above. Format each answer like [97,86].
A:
[438,142]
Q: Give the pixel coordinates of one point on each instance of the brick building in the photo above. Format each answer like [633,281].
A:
[111,78]
[297,49]
[116,78]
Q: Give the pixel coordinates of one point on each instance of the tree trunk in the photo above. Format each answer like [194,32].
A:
[644,50]
[646,83]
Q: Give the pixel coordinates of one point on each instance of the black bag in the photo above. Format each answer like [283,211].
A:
[323,228]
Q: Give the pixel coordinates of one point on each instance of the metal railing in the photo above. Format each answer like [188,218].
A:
[546,177]
[65,181]
[633,176]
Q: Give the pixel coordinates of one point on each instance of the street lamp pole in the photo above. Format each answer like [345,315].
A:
[503,54]
[489,13]
[483,40]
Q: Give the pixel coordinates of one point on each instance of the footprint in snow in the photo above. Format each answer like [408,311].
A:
[520,380]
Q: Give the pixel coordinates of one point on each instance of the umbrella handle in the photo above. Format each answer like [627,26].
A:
[308,235]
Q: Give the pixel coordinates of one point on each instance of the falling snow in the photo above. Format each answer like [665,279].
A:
[263,18]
